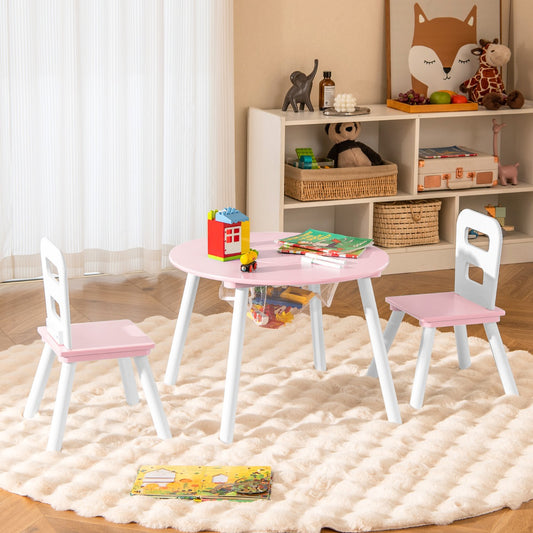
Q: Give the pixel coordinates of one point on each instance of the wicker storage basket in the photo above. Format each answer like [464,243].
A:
[340,183]
[406,223]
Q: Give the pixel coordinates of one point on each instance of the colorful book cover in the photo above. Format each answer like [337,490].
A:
[445,151]
[238,483]
[330,244]
[302,251]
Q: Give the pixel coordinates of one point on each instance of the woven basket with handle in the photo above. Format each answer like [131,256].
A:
[407,223]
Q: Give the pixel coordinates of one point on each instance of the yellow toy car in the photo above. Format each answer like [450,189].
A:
[248,261]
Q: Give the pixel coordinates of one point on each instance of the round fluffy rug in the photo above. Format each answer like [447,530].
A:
[336,460]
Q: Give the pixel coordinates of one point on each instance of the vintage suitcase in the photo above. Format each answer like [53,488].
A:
[480,170]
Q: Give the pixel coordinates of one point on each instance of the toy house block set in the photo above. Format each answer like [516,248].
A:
[228,234]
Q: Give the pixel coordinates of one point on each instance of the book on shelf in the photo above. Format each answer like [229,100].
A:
[445,151]
[324,243]
[201,483]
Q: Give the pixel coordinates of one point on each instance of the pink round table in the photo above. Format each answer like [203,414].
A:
[276,269]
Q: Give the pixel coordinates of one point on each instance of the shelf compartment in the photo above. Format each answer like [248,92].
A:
[518,213]
[347,219]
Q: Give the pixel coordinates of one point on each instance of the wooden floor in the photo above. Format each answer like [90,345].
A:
[139,296]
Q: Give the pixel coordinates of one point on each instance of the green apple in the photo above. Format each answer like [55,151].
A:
[440,97]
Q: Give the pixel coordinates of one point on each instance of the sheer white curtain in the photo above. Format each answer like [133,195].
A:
[116,129]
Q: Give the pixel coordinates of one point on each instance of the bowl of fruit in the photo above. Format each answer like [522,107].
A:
[437,102]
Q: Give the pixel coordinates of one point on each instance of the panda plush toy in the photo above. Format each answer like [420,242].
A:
[346,151]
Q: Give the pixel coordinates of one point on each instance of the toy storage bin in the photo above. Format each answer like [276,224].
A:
[409,223]
[341,183]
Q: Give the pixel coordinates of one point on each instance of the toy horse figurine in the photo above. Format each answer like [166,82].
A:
[506,173]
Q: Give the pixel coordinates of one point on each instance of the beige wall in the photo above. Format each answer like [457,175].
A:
[521,43]
[275,37]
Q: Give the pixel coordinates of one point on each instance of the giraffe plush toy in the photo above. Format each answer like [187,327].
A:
[486,87]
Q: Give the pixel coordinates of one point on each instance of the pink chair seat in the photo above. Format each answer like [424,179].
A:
[471,303]
[89,341]
[441,309]
[92,341]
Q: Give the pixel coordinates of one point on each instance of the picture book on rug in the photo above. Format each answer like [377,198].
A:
[202,483]
[324,243]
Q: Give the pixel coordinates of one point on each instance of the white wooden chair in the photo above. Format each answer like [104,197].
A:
[470,303]
[91,341]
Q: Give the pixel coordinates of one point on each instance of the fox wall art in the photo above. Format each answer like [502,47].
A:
[431,42]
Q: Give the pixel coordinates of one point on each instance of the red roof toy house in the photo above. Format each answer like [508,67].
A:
[228,234]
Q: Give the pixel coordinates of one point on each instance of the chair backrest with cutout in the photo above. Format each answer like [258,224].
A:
[56,293]
[468,254]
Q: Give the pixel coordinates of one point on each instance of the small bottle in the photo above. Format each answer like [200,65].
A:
[326,91]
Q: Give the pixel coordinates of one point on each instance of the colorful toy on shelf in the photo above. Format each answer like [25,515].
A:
[499,213]
[228,234]
[306,158]
[248,261]
[506,173]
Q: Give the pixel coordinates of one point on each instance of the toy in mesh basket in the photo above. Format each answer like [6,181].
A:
[273,307]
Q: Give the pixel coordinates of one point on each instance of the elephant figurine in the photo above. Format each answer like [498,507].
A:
[300,92]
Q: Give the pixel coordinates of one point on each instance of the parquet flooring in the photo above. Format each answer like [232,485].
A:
[138,296]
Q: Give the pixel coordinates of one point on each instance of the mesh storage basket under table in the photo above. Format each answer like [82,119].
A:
[409,223]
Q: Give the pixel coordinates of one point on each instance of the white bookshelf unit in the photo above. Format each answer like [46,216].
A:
[273,136]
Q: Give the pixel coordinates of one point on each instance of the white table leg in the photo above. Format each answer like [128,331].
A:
[233,370]
[182,325]
[317,329]
[378,347]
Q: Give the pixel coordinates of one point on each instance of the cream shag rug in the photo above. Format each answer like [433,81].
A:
[335,459]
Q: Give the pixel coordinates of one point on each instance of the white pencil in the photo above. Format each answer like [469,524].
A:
[320,261]
[336,260]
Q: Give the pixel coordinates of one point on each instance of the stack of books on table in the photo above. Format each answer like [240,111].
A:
[324,243]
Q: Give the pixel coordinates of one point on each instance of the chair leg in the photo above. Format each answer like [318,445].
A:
[59,418]
[152,397]
[500,357]
[422,367]
[461,341]
[128,380]
[39,382]
[391,329]
[378,347]
[317,329]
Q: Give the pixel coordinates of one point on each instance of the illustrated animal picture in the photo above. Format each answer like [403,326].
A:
[431,42]
[440,57]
